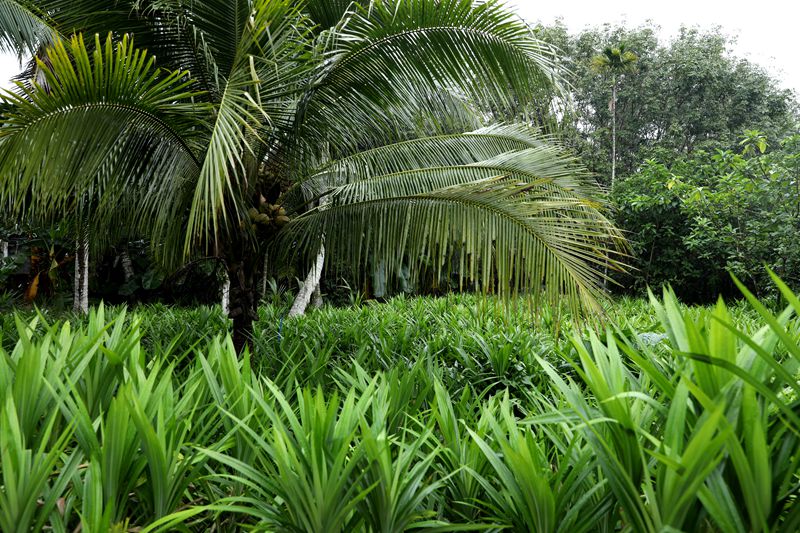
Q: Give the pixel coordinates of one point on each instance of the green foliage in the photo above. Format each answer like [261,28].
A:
[697,433]
[686,94]
[24,27]
[250,98]
[615,60]
[695,220]
[160,326]
[469,340]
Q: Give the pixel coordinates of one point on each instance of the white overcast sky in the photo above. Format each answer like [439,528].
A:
[766,32]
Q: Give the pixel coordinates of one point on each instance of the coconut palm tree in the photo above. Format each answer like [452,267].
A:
[615,61]
[232,129]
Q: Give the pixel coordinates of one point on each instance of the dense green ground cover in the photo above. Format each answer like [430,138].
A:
[448,413]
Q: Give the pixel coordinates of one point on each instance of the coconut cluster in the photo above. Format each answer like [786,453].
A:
[268,215]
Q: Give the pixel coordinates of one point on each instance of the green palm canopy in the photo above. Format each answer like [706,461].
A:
[230,127]
[615,60]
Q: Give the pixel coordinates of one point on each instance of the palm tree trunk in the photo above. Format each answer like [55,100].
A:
[614,132]
[379,280]
[242,298]
[311,284]
[226,293]
[80,300]
[613,155]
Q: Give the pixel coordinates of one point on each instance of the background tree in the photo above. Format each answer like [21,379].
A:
[272,125]
[696,206]
[615,62]
[685,94]
[695,220]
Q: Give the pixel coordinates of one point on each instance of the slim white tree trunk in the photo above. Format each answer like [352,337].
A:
[613,155]
[316,298]
[226,293]
[76,285]
[312,282]
[80,300]
[614,133]
[264,276]
[4,247]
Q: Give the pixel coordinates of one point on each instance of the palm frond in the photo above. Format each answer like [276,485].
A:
[615,60]
[359,121]
[509,236]
[50,20]
[441,150]
[534,167]
[209,33]
[423,165]
[328,13]
[110,130]
[388,54]
[23,27]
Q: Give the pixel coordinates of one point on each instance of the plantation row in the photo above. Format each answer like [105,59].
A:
[448,414]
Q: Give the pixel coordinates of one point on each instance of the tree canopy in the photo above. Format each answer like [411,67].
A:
[686,94]
[193,124]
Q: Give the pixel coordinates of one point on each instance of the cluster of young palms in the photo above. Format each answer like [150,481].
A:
[700,433]
[254,131]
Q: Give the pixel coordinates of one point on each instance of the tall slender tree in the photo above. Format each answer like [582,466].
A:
[269,126]
[614,61]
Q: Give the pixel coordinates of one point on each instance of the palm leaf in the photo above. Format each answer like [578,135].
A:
[539,167]
[109,130]
[510,236]
[328,13]
[23,27]
[426,152]
[389,55]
